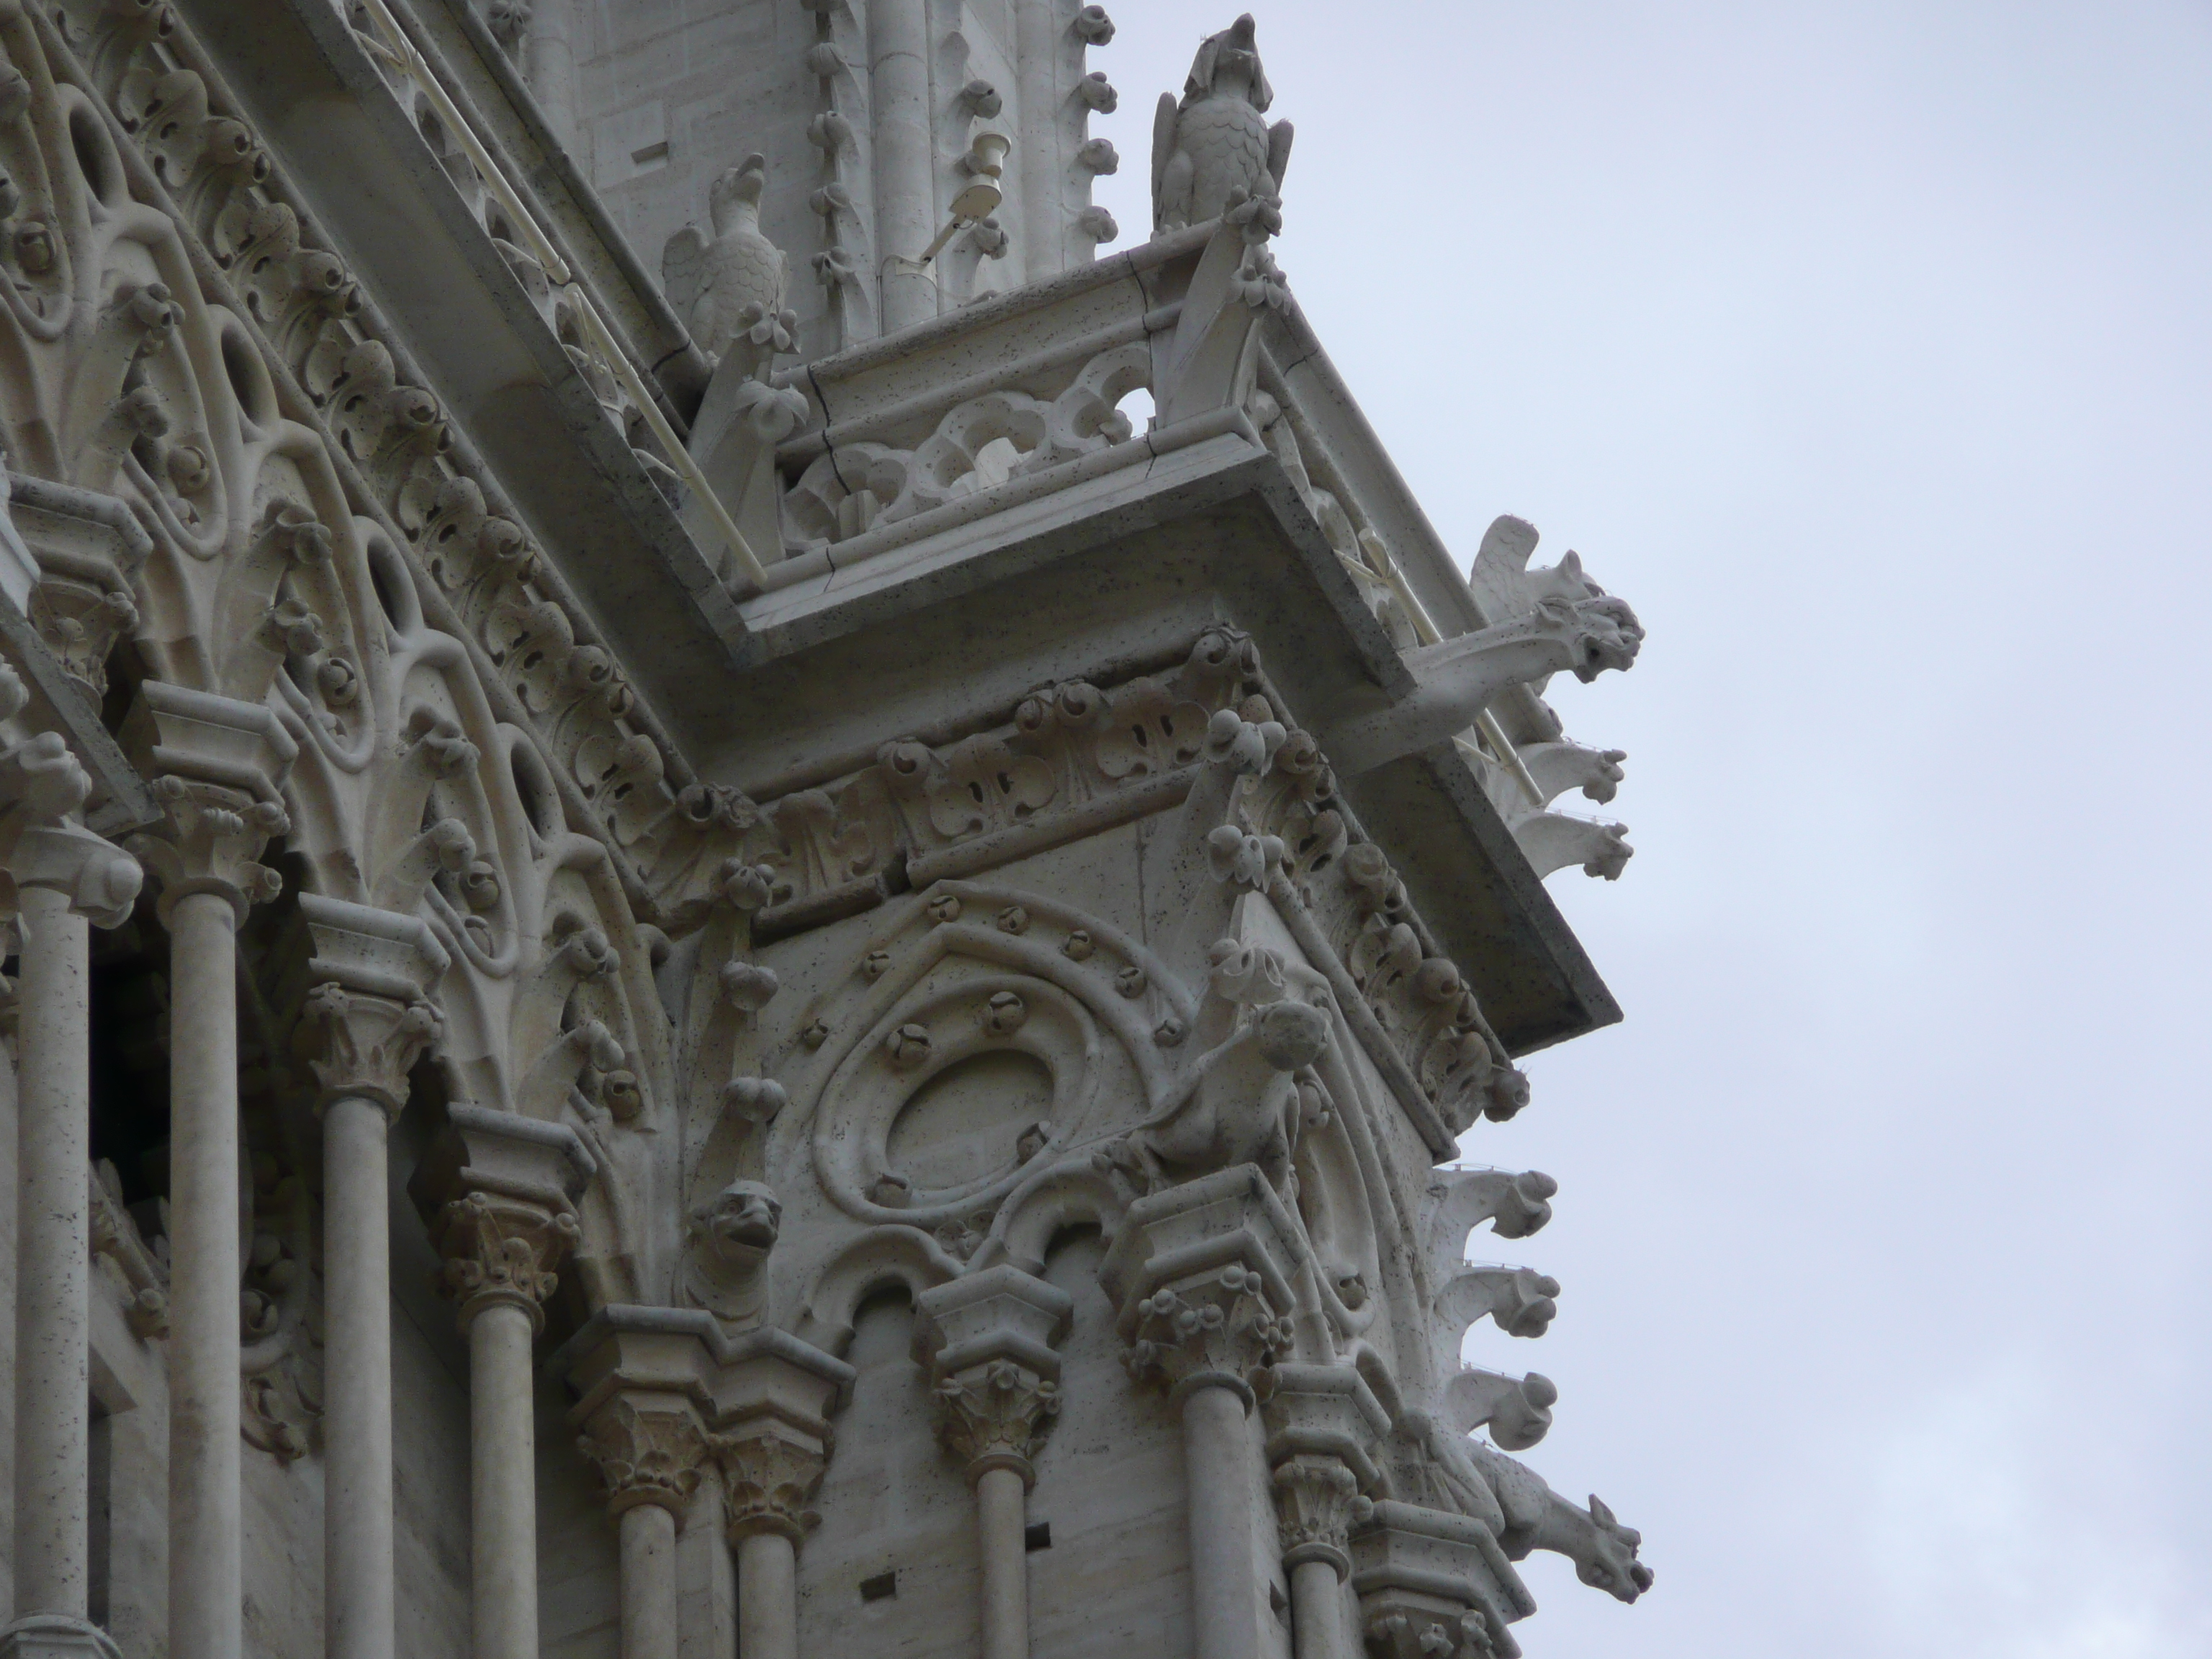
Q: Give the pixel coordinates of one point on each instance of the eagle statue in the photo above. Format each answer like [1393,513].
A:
[1215,139]
[715,284]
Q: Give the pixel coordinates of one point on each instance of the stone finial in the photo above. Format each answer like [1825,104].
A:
[1200,1274]
[648,1447]
[994,1375]
[368,1018]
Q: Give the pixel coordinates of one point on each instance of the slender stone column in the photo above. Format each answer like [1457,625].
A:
[773,1397]
[649,1446]
[370,1022]
[217,763]
[906,198]
[989,1338]
[64,876]
[501,1188]
[1322,1425]
[1200,1274]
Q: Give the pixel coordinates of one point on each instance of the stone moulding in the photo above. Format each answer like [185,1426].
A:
[341,369]
[1077,759]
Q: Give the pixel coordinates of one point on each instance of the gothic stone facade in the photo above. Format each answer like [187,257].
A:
[708,955]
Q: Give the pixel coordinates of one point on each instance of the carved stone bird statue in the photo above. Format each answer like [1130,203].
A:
[1215,140]
[713,283]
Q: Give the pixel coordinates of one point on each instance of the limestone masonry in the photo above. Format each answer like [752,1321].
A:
[753,882]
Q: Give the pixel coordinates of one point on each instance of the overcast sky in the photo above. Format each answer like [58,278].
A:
[1864,348]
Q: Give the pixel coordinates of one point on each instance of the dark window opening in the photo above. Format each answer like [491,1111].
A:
[1037,1535]
[882,1588]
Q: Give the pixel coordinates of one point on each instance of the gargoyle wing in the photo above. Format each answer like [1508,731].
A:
[684,270]
[1278,152]
[1500,576]
[1163,141]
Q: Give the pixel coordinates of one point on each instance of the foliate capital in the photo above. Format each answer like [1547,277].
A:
[1210,1329]
[212,844]
[364,1047]
[648,1447]
[770,1475]
[503,1250]
[1316,1501]
[100,880]
[993,1415]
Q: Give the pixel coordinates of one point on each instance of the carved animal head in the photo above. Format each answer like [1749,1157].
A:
[738,1226]
[1603,632]
[1611,1565]
[1291,1035]
[742,183]
[1228,66]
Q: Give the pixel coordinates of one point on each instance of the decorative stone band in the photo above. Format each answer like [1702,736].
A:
[1432,1583]
[987,1337]
[1200,1275]
[763,1399]
[369,1018]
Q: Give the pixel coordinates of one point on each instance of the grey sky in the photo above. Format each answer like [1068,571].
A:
[1865,348]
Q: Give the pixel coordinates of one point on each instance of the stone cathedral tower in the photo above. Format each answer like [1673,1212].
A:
[710,952]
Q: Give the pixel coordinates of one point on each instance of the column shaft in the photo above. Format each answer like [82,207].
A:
[1001,1518]
[1223,1591]
[1037,28]
[52,1259]
[206,1590]
[357,1591]
[648,1582]
[768,1597]
[1313,1612]
[905,198]
[503,1483]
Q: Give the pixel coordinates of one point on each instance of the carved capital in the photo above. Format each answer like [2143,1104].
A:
[647,1447]
[1208,1330]
[991,1416]
[364,1047]
[1316,1501]
[100,879]
[503,1250]
[217,764]
[988,1337]
[1419,1631]
[1200,1273]
[770,1475]
[369,1018]
[212,844]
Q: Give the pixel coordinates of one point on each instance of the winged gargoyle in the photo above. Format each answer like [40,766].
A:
[1215,140]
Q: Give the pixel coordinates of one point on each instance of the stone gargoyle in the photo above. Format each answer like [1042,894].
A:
[1215,139]
[1525,1515]
[724,1270]
[1246,1097]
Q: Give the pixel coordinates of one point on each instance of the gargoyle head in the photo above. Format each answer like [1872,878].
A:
[1603,632]
[1228,66]
[736,1228]
[742,183]
[1291,1035]
[1612,1565]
